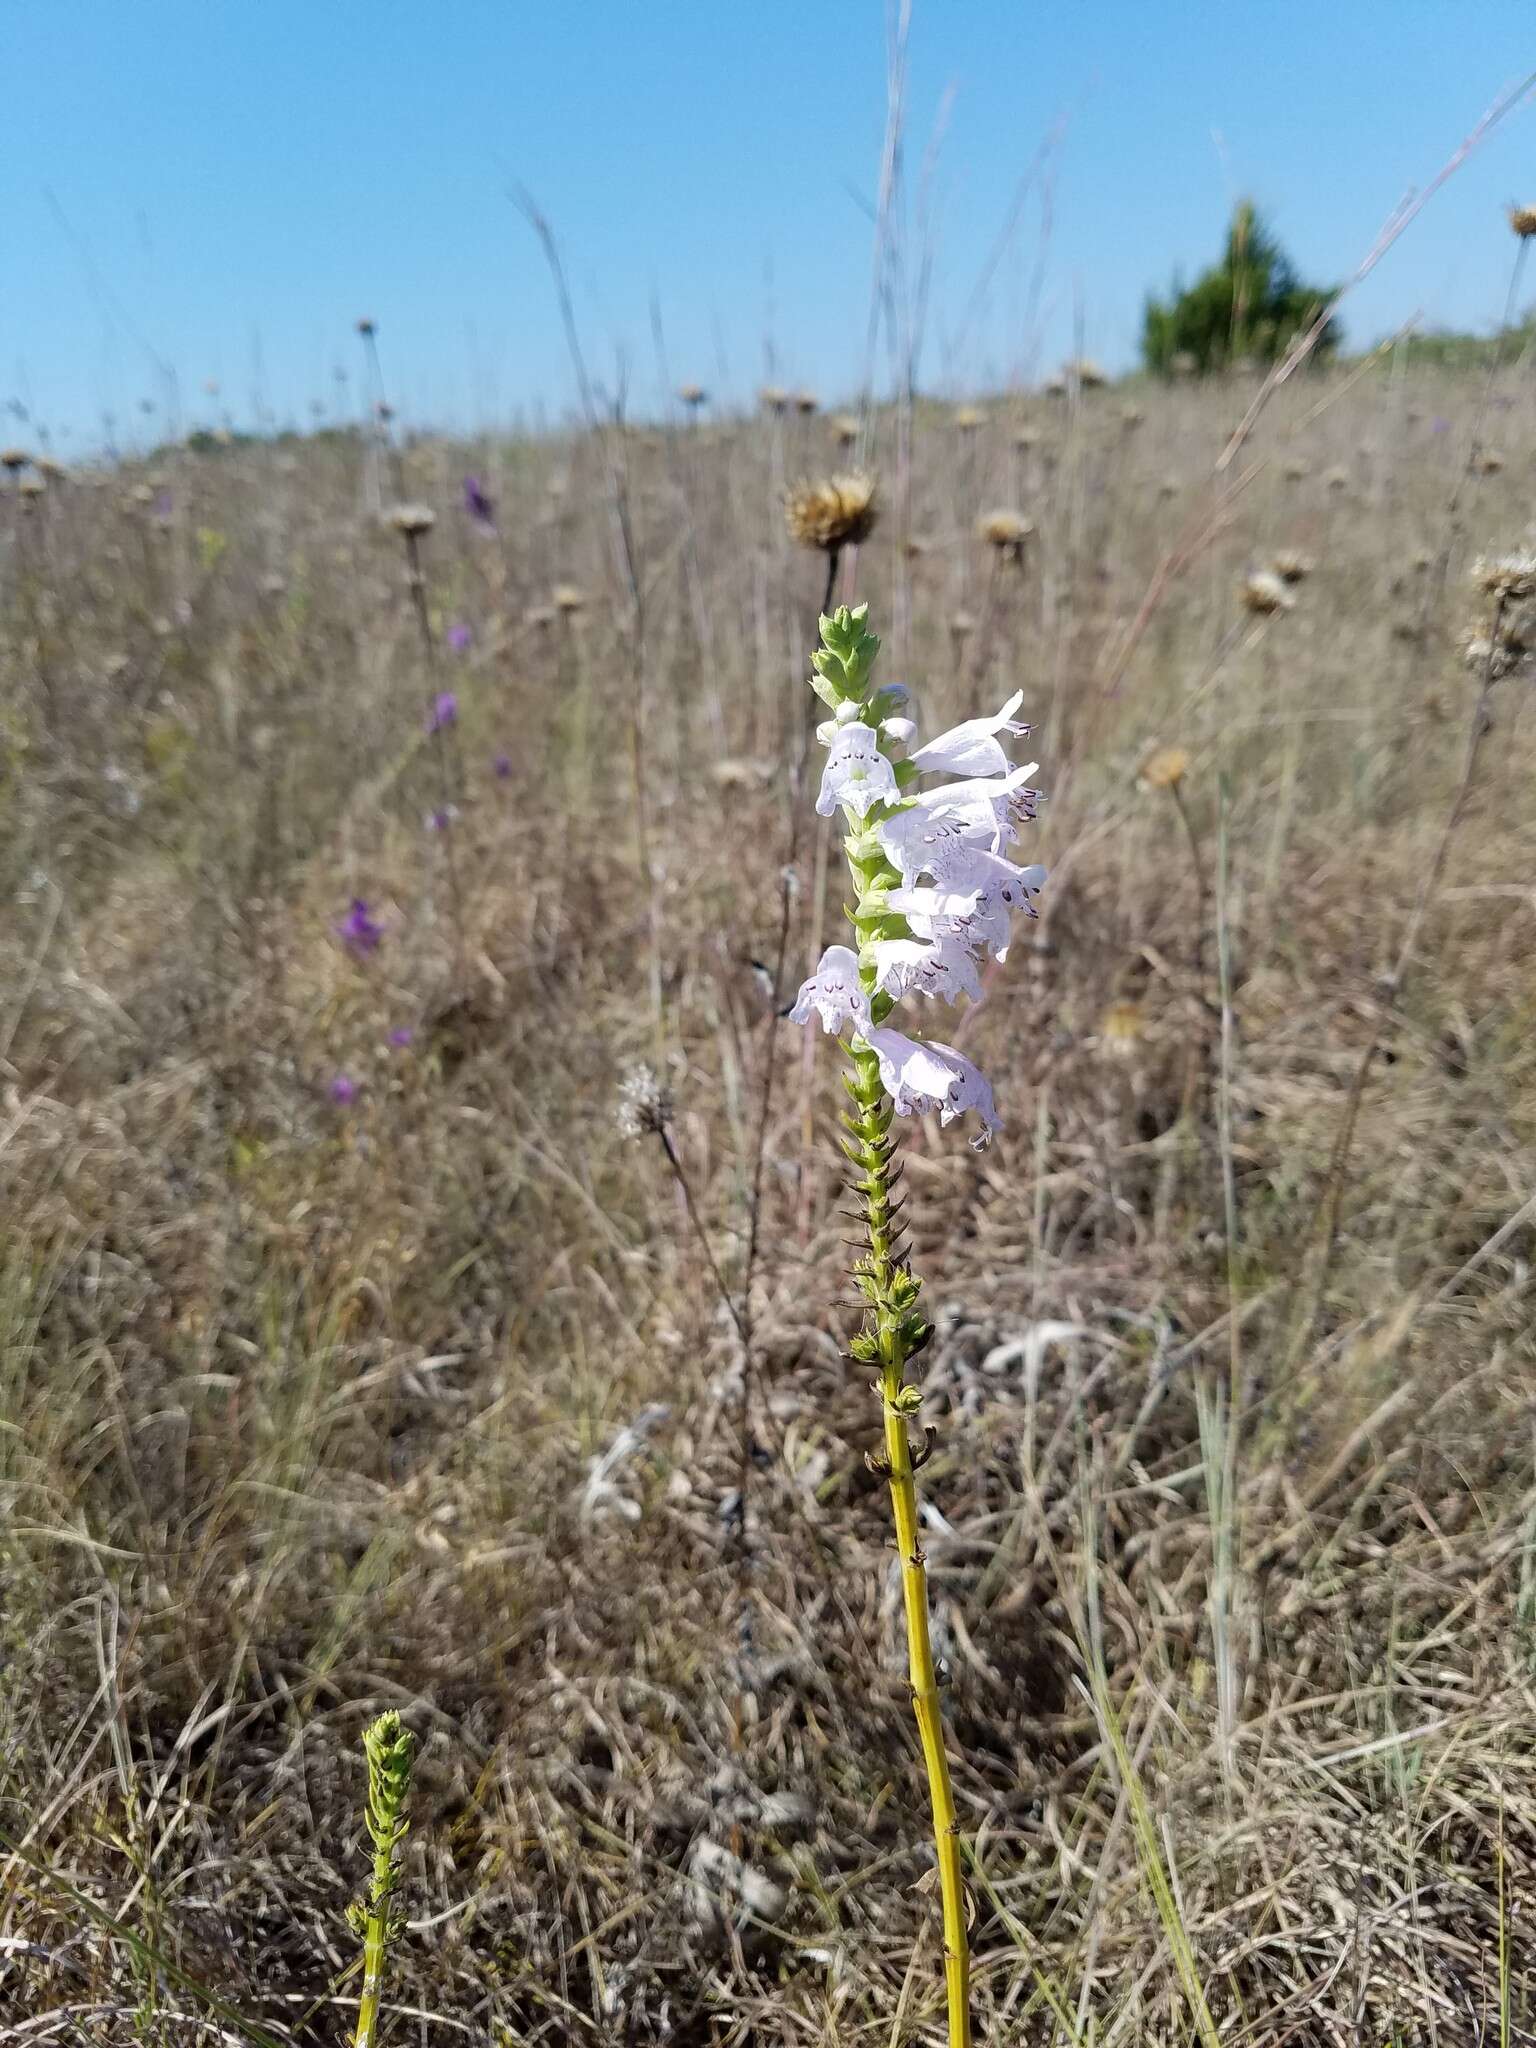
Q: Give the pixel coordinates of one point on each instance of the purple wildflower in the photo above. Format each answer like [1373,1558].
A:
[445,712]
[503,766]
[1439,425]
[459,638]
[402,1035]
[360,929]
[343,1091]
[440,819]
[162,507]
[480,507]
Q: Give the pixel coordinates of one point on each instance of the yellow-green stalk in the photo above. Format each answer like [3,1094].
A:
[388,1747]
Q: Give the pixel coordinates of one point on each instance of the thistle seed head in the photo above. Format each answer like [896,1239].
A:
[1263,594]
[1165,769]
[838,513]
[412,519]
[1006,531]
[645,1106]
[1522,221]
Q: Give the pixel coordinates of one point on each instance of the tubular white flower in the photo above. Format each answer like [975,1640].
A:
[973,748]
[940,965]
[857,774]
[926,1075]
[834,992]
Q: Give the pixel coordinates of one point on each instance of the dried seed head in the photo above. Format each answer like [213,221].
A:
[1522,219]
[845,427]
[1165,769]
[1121,1027]
[1025,438]
[1182,364]
[836,514]
[1295,468]
[692,394]
[1006,531]
[774,399]
[1486,462]
[1263,593]
[805,402]
[1508,575]
[14,458]
[540,617]
[412,519]
[1485,657]
[365,327]
[969,417]
[1088,373]
[1291,566]
[31,486]
[1168,487]
[645,1105]
[569,599]
[1336,479]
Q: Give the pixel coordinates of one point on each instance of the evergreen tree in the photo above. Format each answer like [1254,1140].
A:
[1250,304]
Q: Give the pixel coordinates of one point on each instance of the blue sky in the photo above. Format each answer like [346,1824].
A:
[223,186]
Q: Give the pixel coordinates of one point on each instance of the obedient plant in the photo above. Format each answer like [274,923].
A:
[934,893]
[388,1747]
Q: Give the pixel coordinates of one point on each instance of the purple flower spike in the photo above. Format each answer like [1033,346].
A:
[480,507]
[1439,426]
[503,766]
[440,819]
[402,1035]
[445,712]
[343,1091]
[360,929]
[459,638]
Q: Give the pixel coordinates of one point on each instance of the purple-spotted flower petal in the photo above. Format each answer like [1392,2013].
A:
[445,712]
[459,637]
[343,1090]
[834,992]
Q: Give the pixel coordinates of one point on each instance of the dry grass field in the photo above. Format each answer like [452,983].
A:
[352,1358]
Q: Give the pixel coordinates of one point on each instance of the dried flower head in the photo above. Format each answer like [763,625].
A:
[836,514]
[1121,1028]
[1336,479]
[1291,566]
[1508,575]
[1025,438]
[14,458]
[692,395]
[646,1106]
[1131,417]
[1165,769]
[1168,487]
[540,617]
[774,398]
[412,519]
[1486,462]
[1263,593]
[1522,219]
[805,402]
[31,486]
[1294,468]
[366,327]
[1089,374]
[1487,657]
[1005,531]
[1182,363]
[569,599]
[969,417]
[845,427]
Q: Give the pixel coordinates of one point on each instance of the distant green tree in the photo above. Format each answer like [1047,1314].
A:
[1250,304]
